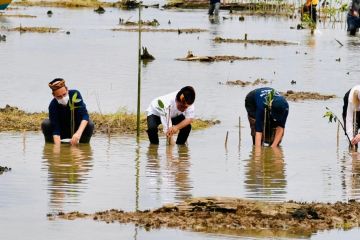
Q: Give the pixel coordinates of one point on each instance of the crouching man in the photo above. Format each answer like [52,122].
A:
[175,111]
[68,116]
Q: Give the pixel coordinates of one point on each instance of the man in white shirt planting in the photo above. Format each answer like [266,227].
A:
[175,111]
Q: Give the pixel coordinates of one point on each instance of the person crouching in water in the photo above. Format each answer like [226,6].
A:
[58,126]
[274,116]
[351,114]
[175,111]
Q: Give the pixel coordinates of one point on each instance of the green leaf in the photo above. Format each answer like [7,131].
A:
[74,97]
[77,100]
[161,104]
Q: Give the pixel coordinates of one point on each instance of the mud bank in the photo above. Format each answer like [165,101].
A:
[300,96]
[17,15]
[125,4]
[232,215]
[34,29]
[179,31]
[253,41]
[192,58]
[245,83]
[14,119]
[4,169]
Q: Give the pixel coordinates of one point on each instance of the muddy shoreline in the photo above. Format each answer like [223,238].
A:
[233,215]
[300,96]
[14,119]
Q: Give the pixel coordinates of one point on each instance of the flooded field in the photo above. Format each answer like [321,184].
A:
[118,172]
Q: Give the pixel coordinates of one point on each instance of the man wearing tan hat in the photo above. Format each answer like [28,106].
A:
[68,116]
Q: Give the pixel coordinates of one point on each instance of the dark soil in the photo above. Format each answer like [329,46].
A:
[231,215]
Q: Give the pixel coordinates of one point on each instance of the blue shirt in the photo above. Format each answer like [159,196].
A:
[279,112]
[214,1]
[60,115]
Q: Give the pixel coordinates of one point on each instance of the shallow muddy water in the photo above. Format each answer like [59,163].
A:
[117,172]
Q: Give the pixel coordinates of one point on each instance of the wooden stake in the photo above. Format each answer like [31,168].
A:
[337,134]
[226,138]
[239,130]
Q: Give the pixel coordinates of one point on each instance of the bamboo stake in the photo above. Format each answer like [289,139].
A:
[337,134]
[139,79]
[168,125]
[226,138]
[239,130]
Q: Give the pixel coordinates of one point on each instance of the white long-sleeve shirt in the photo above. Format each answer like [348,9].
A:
[169,101]
[350,112]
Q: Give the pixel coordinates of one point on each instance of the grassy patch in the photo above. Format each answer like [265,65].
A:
[14,119]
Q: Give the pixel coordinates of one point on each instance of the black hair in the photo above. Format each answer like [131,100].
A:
[189,95]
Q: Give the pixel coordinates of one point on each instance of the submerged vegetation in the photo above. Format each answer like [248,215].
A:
[14,119]
[233,215]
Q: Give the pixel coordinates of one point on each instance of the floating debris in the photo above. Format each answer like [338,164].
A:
[4,169]
[247,41]
[100,10]
[293,82]
[14,119]
[146,55]
[245,83]
[295,96]
[241,18]
[49,13]
[233,215]
[35,29]
[191,57]
[179,31]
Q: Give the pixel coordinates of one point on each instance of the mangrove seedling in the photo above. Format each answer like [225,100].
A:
[165,111]
[268,104]
[332,117]
[72,106]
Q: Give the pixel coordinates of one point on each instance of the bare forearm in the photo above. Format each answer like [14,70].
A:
[258,137]
[279,133]
[57,139]
[82,127]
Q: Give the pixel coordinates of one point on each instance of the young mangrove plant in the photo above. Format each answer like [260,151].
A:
[72,106]
[267,110]
[332,117]
[165,111]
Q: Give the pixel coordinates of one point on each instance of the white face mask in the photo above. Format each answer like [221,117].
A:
[64,100]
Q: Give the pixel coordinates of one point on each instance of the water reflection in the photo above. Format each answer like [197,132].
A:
[350,170]
[173,170]
[265,174]
[68,169]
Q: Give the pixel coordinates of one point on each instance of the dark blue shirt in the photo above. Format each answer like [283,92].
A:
[60,115]
[214,1]
[279,110]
